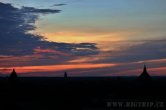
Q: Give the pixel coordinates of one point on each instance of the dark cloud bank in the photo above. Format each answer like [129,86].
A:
[15,23]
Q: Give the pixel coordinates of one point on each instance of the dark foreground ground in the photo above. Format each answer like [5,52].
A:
[101,93]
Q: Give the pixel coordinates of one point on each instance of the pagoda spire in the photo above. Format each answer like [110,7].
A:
[13,74]
[65,75]
[145,75]
[13,77]
[145,70]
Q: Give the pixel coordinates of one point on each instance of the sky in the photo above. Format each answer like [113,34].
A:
[82,37]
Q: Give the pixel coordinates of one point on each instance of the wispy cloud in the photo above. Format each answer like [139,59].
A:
[42,11]
[60,4]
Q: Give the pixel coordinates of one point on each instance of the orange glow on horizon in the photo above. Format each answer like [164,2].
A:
[55,68]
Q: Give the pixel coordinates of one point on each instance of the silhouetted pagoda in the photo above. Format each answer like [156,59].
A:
[65,75]
[13,75]
[145,75]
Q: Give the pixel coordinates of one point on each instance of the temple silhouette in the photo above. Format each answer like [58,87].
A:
[81,93]
[65,75]
[144,75]
[13,74]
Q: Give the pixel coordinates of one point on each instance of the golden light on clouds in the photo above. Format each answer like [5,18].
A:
[79,37]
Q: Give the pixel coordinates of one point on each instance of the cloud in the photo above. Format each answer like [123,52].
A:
[42,11]
[147,50]
[129,58]
[130,51]
[60,4]
[15,39]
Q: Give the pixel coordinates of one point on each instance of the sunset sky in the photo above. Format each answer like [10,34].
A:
[82,37]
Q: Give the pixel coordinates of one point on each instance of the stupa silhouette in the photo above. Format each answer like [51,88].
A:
[65,75]
[145,75]
[13,75]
